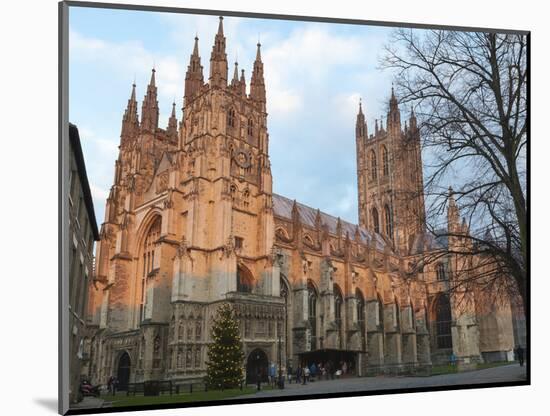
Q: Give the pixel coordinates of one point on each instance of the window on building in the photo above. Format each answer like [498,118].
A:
[441,272]
[385,161]
[388,221]
[244,280]
[148,260]
[239,243]
[373,165]
[338,302]
[312,313]
[360,302]
[231,120]
[443,322]
[198,329]
[375,221]
[250,127]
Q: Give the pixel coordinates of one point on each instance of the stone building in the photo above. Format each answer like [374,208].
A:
[191,221]
[83,233]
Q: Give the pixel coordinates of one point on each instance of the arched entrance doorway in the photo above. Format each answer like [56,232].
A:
[256,364]
[123,372]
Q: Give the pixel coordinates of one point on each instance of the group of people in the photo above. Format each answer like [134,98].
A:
[310,372]
[306,372]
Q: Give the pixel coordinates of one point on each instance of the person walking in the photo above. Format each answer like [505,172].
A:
[289,373]
[272,373]
[258,379]
[298,375]
[305,374]
[520,353]
[313,371]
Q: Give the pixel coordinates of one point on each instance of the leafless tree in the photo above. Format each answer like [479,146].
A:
[469,91]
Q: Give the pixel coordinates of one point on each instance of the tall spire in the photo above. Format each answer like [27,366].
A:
[194,78]
[412,119]
[150,107]
[130,122]
[360,125]
[453,214]
[394,117]
[172,130]
[235,80]
[218,59]
[257,84]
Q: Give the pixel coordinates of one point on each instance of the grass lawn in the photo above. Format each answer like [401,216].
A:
[122,400]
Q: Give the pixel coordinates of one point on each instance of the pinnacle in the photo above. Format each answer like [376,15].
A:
[220,26]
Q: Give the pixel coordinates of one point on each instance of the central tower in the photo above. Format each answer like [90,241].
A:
[389,178]
[226,176]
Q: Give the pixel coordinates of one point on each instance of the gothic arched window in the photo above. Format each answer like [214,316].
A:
[338,303]
[441,272]
[388,221]
[385,161]
[360,301]
[148,260]
[231,119]
[312,312]
[443,321]
[397,315]
[244,280]
[250,127]
[373,165]
[375,221]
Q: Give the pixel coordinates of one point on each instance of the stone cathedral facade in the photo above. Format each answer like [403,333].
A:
[191,221]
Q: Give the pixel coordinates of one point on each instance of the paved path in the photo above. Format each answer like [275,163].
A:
[89,402]
[512,372]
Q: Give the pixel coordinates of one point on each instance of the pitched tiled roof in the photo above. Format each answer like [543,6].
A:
[282,207]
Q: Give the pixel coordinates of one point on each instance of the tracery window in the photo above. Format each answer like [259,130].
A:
[385,161]
[373,165]
[231,120]
[198,330]
[338,302]
[148,260]
[443,322]
[250,127]
[360,302]
[441,272]
[388,221]
[312,313]
[375,221]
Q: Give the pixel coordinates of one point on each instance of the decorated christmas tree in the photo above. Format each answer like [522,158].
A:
[225,354]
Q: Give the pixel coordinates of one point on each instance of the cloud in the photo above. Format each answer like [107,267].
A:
[128,59]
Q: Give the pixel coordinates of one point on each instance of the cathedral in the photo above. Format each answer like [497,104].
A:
[191,222]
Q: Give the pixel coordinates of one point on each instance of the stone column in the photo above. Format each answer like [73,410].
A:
[408,338]
[375,339]
[392,353]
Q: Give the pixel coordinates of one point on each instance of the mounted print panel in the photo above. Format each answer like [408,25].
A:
[267,208]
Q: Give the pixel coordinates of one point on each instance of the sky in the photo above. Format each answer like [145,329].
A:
[315,74]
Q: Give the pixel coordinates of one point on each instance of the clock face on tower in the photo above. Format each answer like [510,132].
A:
[242,159]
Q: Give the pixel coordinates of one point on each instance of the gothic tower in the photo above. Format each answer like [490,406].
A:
[225,178]
[389,177]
